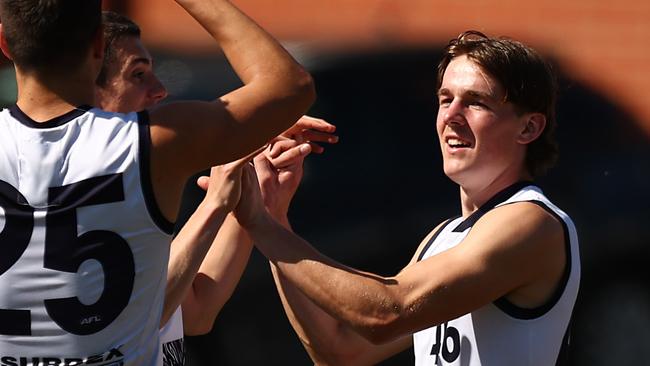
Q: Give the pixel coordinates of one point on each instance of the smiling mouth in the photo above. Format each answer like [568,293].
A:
[456,143]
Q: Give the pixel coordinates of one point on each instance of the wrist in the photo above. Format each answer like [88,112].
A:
[278,212]
[258,222]
[212,210]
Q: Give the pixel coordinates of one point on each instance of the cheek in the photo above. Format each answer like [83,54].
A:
[496,142]
[134,92]
[440,125]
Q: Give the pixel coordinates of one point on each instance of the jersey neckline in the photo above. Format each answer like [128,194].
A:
[502,196]
[23,118]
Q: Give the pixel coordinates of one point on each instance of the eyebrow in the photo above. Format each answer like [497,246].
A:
[140,60]
[471,93]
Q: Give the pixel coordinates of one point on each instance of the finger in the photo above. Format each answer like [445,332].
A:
[307,122]
[250,177]
[281,146]
[263,166]
[317,136]
[242,161]
[203,182]
[278,138]
[316,149]
[291,156]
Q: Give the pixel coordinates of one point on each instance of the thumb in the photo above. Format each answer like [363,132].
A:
[263,167]
[203,182]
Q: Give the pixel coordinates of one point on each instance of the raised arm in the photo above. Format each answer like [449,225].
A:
[195,238]
[217,278]
[226,259]
[190,136]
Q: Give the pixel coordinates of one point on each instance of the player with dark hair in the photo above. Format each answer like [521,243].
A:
[88,197]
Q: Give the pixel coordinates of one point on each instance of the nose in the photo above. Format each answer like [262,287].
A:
[157,91]
[453,113]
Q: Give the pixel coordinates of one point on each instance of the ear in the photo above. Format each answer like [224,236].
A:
[533,126]
[3,43]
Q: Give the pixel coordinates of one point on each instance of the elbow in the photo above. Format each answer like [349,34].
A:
[384,328]
[340,347]
[380,335]
[304,88]
[199,320]
[197,327]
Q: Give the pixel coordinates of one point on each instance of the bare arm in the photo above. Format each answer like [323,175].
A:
[327,340]
[217,278]
[193,241]
[226,259]
[190,136]
[511,250]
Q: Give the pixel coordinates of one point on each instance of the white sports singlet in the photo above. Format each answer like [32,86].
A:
[500,333]
[84,246]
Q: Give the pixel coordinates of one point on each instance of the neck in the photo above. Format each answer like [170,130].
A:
[45,97]
[472,198]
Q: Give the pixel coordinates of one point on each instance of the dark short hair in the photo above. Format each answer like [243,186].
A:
[529,81]
[116,27]
[50,35]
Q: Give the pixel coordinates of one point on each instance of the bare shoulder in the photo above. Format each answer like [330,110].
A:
[521,239]
[519,223]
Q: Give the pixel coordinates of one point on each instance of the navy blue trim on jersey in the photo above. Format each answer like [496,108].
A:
[145,175]
[525,313]
[490,204]
[563,355]
[433,238]
[21,117]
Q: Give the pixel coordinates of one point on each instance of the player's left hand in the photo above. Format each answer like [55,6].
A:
[279,170]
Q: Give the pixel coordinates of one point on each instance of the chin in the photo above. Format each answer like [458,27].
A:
[453,173]
[463,176]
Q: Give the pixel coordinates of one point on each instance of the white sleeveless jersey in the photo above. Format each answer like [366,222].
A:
[84,246]
[500,333]
[172,341]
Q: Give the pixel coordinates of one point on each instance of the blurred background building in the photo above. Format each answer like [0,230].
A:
[371,198]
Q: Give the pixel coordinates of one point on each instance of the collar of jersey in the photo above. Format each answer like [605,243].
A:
[19,115]
[490,204]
